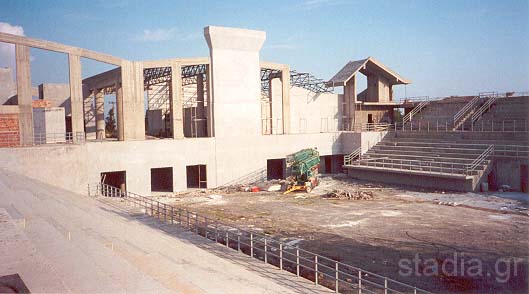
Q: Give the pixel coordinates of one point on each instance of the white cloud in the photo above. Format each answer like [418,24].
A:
[164,34]
[7,51]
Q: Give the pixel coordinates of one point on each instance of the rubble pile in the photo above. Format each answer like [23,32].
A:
[349,194]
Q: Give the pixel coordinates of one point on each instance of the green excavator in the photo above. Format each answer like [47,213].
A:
[303,169]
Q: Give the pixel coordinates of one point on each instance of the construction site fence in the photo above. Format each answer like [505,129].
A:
[14,139]
[321,270]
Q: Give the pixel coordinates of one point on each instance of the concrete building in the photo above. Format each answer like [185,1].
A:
[200,122]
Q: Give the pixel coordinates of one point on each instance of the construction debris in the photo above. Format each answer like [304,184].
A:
[349,194]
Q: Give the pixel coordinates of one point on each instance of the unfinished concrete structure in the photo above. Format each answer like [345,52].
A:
[197,122]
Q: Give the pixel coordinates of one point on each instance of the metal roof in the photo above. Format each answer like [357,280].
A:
[352,67]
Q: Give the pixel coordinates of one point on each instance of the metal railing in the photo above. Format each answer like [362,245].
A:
[13,139]
[347,159]
[471,168]
[324,271]
[491,98]
[415,165]
[408,117]
[502,126]
[461,115]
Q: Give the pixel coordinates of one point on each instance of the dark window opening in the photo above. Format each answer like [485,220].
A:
[116,179]
[196,176]
[162,179]
[275,169]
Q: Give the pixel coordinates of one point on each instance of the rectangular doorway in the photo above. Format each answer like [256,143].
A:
[275,168]
[116,179]
[162,179]
[196,176]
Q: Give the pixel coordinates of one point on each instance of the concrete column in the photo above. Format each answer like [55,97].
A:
[175,90]
[89,113]
[119,111]
[25,116]
[236,80]
[76,96]
[350,103]
[100,114]
[133,100]
[269,118]
[210,117]
[201,111]
[285,82]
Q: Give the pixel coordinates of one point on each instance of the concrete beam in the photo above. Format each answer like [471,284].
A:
[57,47]
[76,95]
[175,90]
[133,100]
[25,117]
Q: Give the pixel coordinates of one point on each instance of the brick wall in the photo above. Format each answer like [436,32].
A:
[9,130]
[40,103]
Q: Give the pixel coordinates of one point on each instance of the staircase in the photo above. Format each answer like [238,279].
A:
[431,163]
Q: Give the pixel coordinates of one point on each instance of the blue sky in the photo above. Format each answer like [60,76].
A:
[444,47]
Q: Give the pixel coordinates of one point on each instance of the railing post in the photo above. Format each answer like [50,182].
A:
[239,242]
[251,244]
[281,256]
[316,269]
[297,260]
[216,232]
[158,209]
[187,211]
[172,215]
[227,240]
[337,277]
[265,251]
[359,282]
[164,213]
[385,286]
[206,227]
[196,223]
[180,217]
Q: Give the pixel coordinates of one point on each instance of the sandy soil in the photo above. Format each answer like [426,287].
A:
[401,233]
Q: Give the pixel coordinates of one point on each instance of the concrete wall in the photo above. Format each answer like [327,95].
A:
[314,112]
[49,121]
[57,94]
[508,172]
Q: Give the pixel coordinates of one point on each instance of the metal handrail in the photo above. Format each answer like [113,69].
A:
[319,269]
[466,108]
[480,159]
[414,111]
[13,139]
[347,159]
[491,99]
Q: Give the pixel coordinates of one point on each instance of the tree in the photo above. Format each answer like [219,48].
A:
[110,126]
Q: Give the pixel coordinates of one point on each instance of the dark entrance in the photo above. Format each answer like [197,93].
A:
[162,179]
[115,179]
[274,169]
[196,176]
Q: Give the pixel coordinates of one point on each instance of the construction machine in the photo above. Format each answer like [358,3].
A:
[303,170]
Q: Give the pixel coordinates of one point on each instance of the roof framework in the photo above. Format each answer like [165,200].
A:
[365,66]
[158,75]
[302,80]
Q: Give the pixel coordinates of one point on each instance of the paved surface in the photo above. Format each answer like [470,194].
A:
[58,241]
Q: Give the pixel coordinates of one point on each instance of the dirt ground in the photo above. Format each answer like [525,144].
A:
[439,241]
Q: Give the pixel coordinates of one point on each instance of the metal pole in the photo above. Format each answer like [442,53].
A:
[385,286]
[196,223]
[187,211]
[172,215]
[316,269]
[227,240]
[206,227]
[359,282]
[281,256]
[216,232]
[164,213]
[297,260]
[265,251]
[337,277]
[251,244]
[158,209]
[239,242]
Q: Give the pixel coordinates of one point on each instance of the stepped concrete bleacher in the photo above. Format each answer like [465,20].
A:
[452,159]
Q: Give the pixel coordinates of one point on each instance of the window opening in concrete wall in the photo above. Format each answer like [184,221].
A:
[196,176]
[115,179]
[275,169]
[162,179]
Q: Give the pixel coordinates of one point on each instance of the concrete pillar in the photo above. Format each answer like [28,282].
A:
[350,103]
[119,111]
[175,90]
[211,129]
[269,118]
[201,111]
[236,80]
[100,114]
[285,82]
[133,100]
[25,116]
[89,113]
[76,96]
